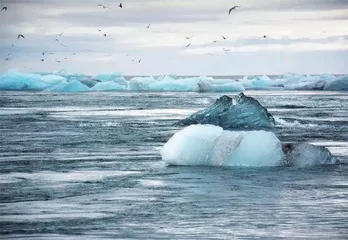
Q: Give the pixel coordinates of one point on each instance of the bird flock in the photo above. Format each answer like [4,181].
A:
[60,35]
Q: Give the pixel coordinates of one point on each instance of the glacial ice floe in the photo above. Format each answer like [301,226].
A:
[19,81]
[240,112]
[209,145]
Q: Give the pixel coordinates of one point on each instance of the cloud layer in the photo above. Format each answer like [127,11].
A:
[301,36]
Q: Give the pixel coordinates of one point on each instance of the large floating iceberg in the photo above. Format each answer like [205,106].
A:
[241,112]
[210,145]
[15,80]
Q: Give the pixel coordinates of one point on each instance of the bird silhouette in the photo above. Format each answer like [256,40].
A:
[149,26]
[47,52]
[188,38]
[57,40]
[226,50]
[214,41]
[264,36]
[210,54]
[99,30]
[188,45]
[103,6]
[139,60]
[232,8]
[42,59]
[224,37]
[7,59]
[60,34]
[4,9]
[104,34]
[121,6]
[20,36]
[58,61]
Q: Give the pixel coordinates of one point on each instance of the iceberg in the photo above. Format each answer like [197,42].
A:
[73,86]
[115,77]
[14,80]
[107,86]
[209,145]
[338,84]
[306,155]
[242,112]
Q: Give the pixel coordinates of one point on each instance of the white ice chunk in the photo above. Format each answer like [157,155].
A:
[210,145]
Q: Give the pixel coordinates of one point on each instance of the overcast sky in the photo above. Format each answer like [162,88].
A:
[304,36]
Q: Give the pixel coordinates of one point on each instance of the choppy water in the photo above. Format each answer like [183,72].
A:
[87,166]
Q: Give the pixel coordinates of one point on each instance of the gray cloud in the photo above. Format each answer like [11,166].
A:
[287,22]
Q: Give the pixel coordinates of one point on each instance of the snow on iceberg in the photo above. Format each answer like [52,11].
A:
[15,80]
[242,112]
[209,145]
[212,146]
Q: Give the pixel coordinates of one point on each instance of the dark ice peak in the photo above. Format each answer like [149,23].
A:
[241,112]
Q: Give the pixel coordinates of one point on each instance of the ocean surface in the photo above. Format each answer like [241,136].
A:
[87,166]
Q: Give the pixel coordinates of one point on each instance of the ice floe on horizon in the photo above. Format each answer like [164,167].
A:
[63,81]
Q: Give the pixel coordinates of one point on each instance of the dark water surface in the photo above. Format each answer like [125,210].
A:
[87,166]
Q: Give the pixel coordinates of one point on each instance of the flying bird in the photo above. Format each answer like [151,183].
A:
[47,52]
[232,8]
[214,41]
[264,36]
[60,34]
[58,61]
[42,59]
[20,36]
[188,45]
[188,38]
[4,9]
[7,59]
[139,60]
[103,6]
[57,40]
[226,50]
[149,26]
[104,34]
[99,30]
[224,37]
[210,54]
[121,6]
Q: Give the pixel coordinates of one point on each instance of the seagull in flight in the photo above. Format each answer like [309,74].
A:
[224,37]
[20,36]
[149,26]
[42,59]
[58,61]
[139,60]
[60,34]
[57,40]
[210,54]
[264,36]
[188,45]
[103,6]
[7,59]
[47,52]
[104,34]
[188,38]
[121,6]
[233,8]
[214,41]
[4,9]
[226,50]
[99,30]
